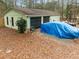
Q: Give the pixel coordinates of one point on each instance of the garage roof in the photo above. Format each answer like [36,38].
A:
[40,12]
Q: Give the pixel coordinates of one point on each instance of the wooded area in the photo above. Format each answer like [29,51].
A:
[66,8]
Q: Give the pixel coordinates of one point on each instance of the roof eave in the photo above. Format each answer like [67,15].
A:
[40,15]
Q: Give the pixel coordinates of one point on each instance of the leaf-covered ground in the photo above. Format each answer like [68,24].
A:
[35,46]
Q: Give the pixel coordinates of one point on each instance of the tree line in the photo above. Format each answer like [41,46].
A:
[67,8]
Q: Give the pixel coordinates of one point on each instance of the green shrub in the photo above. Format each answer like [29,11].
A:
[21,25]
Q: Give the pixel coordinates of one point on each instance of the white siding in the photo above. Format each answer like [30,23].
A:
[42,20]
[54,18]
[28,23]
[16,17]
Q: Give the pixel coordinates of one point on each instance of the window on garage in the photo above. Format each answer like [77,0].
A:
[46,19]
[35,22]
[12,21]
[7,20]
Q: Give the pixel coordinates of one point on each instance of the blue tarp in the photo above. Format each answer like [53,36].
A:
[60,30]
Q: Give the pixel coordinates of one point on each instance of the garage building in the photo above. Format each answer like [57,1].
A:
[34,17]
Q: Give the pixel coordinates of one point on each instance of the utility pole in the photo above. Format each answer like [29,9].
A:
[62,9]
[33,3]
[30,3]
[42,3]
[14,3]
[76,10]
[58,6]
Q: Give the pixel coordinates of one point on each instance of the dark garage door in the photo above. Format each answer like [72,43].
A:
[35,22]
[46,19]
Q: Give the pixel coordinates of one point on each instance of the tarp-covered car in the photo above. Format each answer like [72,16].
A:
[60,30]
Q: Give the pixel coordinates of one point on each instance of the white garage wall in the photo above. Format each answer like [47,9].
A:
[28,22]
[16,16]
[54,18]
